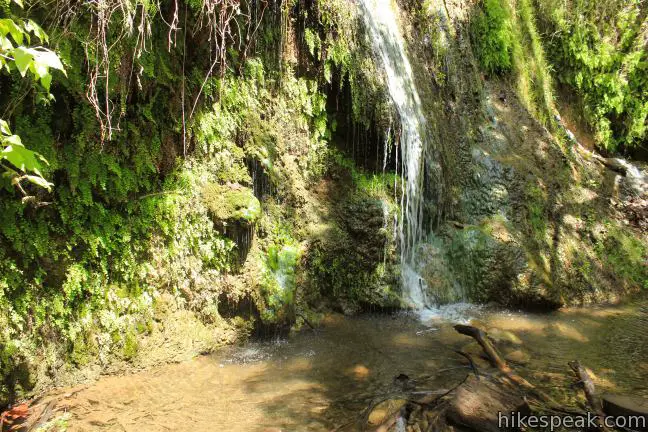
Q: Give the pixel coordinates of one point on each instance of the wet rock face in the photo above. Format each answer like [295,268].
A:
[488,191]
[537,223]
[364,221]
[234,210]
[489,256]
[354,263]
[519,197]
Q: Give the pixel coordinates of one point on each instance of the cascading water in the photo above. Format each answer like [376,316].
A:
[389,45]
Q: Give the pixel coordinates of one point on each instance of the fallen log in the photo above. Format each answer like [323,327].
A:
[493,356]
[486,402]
[486,405]
[481,338]
[544,401]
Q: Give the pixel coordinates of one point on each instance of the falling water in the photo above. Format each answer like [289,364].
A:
[388,43]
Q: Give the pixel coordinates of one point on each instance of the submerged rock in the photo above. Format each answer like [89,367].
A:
[504,337]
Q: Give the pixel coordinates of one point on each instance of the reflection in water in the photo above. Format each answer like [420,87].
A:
[320,380]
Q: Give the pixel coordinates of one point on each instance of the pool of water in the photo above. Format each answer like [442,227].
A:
[321,380]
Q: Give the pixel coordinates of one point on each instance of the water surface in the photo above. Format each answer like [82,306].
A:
[318,381]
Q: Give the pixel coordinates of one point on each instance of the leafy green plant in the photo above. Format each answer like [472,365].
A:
[15,35]
[24,163]
[492,35]
[599,49]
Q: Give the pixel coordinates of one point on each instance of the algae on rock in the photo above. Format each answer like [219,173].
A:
[233,204]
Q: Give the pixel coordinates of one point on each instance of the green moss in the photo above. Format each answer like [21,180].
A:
[344,277]
[354,261]
[84,349]
[376,185]
[493,37]
[536,214]
[233,204]
[624,255]
[278,282]
[130,345]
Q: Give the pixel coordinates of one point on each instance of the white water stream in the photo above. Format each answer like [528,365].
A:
[388,43]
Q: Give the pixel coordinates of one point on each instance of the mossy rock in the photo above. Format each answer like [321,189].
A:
[231,204]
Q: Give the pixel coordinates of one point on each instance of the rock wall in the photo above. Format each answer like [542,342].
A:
[530,216]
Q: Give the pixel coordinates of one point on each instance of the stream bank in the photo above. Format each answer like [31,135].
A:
[324,379]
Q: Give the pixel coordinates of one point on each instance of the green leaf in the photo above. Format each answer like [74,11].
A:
[40,181]
[19,3]
[47,58]
[9,26]
[31,26]
[23,59]
[21,158]
[4,128]
[5,44]
[38,69]
[12,139]
[46,80]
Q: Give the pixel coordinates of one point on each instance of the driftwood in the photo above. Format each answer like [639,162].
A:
[492,354]
[478,404]
[590,392]
[542,400]
[470,360]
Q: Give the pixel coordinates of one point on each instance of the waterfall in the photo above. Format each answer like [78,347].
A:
[388,43]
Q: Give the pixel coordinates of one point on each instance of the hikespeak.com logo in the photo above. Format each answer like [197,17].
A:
[516,420]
